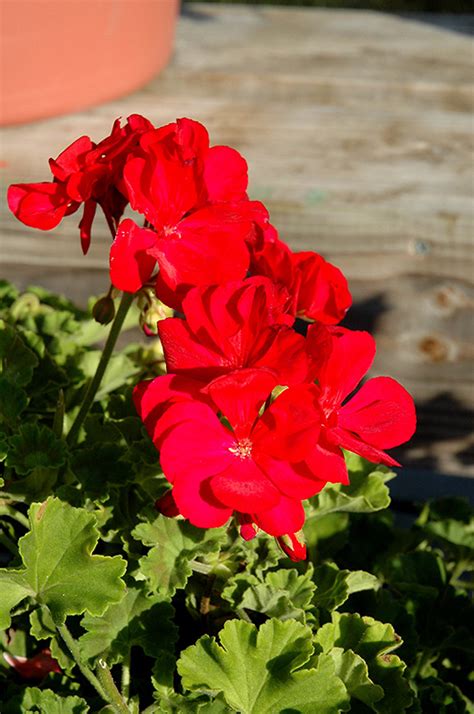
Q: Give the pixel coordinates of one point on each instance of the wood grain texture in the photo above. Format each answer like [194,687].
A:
[357,127]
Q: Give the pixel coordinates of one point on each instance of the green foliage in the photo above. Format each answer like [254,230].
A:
[261,672]
[138,620]
[378,619]
[42,701]
[175,544]
[59,570]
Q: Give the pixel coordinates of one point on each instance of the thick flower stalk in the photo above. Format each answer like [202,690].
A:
[251,418]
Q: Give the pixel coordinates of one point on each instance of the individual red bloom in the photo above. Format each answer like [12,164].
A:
[379,416]
[36,667]
[84,173]
[316,289]
[195,199]
[234,326]
[254,467]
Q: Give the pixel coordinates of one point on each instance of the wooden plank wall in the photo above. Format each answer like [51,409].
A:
[357,127]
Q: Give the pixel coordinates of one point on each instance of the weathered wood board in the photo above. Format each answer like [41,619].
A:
[358,130]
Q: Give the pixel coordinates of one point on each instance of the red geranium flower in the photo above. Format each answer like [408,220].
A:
[231,327]
[84,173]
[254,467]
[195,199]
[379,416]
[316,289]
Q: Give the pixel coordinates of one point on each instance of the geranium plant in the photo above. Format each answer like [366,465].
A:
[196,523]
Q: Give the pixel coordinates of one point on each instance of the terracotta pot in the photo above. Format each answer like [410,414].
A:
[60,56]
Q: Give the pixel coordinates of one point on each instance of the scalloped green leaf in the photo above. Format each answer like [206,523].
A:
[138,620]
[59,568]
[283,593]
[353,671]
[374,642]
[43,628]
[44,701]
[366,493]
[334,586]
[16,359]
[166,567]
[35,447]
[260,671]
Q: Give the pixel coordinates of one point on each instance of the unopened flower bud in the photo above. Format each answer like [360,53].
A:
[293,545]
[152,312]
[103,311]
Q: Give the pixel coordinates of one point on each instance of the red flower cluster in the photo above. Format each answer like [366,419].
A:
[252,417]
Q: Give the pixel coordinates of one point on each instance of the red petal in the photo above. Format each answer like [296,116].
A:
[239,396]
[323,294]
[382,413]
[166,505]
[225,174]
[286,517]
[205,250]
[244,487]
[191,452]
[351,442]
[86,224]
[36,667]
[40,205]
[198,504]
[71,159]
[152,398]
[289,428]
[326,461]
[193,440]
[294,480]
[163,190]
[130,265]
[185,354]
[341,358]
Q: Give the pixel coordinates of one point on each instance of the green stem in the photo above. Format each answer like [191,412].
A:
[113,694]
[200,567]
[73,648]
[116,326]
[125,681]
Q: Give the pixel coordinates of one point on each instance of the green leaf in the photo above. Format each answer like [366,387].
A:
[334,586]
[43,628]
[283,593]
[365,494]
[100,466]
[353,671]
[45,701]
[17,360]
[13,401]
[35,446]
[175,543]
[138,620]
[443,697]
[59,570]
[374,642]
[259,671]
[421,573]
